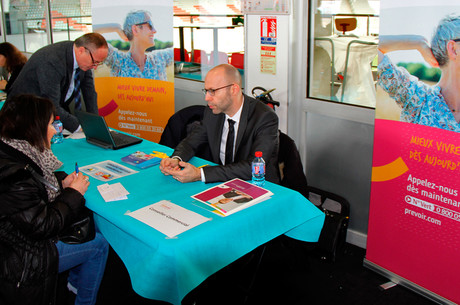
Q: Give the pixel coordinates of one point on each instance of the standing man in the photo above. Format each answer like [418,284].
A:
[63,73]
[253,127]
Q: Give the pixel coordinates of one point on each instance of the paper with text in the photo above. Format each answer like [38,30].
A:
[112,192]
[168,218]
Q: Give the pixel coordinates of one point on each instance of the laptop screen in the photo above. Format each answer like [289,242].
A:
[97,132]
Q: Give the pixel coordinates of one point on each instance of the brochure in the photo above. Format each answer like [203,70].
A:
[107,170]
[143,160]
[233,196]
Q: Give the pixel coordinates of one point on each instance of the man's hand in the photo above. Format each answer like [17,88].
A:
[3,84]
[189,173]
[168,165]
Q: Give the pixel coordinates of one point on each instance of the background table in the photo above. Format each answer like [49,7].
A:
[167,269]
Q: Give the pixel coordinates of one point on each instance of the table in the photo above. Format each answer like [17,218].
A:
[352,57]
[194,71]
[167,269]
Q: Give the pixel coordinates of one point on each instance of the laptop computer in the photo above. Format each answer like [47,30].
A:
[98,133]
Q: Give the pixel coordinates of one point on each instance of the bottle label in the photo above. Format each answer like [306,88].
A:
[257,169]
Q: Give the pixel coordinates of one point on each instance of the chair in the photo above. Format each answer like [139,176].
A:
[337,209]
[334,233]
[345,24]
[222,58]
[237,60]
[200,57]
[177,56]
[180,125]
[290,164]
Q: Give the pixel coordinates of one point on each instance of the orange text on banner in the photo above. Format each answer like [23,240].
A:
[137,106]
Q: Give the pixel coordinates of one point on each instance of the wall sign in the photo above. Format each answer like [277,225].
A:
[268,35]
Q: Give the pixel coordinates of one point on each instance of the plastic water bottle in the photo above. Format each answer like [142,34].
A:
[58,137]
[258,169]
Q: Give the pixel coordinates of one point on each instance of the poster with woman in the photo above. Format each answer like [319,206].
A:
[135,84]
[415,205]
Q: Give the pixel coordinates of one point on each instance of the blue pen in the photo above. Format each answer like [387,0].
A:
[76,168]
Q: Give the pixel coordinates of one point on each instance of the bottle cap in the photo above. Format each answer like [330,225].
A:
[57,118]
[258,154]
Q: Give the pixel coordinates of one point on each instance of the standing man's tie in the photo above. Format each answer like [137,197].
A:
[76,89]
[229,144]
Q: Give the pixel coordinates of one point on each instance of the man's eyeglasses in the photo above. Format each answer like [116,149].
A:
[95,63]
[212,92]
[149,23]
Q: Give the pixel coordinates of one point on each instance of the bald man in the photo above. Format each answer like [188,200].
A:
[255,128]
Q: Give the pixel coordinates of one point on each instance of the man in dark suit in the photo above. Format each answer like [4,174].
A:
[63,73]
[255,128]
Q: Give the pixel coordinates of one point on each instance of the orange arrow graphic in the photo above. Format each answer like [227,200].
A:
[389,171]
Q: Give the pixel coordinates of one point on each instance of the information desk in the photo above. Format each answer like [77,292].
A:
[167,269]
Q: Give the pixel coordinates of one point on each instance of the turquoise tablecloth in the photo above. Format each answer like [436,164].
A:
[167,269]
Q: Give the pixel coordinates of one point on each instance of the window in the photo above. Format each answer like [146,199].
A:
[203,39]
[343,39]
[26,22]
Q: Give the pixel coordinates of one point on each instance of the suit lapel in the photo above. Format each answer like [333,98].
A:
[215,137]
[69,67]
[243,123]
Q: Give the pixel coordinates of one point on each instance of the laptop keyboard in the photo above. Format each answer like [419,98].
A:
[120,138]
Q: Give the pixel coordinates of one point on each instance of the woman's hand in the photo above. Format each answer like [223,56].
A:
[68,180]
[79,182]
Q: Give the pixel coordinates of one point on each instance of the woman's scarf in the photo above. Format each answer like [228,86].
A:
[46,160]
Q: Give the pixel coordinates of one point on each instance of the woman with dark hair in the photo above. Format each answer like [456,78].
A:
[37,204]
[12,60]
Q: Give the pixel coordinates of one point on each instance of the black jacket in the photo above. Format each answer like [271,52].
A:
[29,226]
[257,131]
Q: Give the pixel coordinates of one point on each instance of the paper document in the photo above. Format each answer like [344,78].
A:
[76,135]
[168,218]
[112,192]
[107,170]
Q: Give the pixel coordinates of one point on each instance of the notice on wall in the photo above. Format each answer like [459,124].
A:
[268,36]
[268,60]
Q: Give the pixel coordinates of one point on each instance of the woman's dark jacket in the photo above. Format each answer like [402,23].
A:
[29,226]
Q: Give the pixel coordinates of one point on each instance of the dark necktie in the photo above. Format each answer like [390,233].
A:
[76,89]
[229,144]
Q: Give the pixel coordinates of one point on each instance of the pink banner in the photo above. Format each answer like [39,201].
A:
[415,209]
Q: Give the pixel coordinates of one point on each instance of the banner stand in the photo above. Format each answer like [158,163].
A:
[406,283]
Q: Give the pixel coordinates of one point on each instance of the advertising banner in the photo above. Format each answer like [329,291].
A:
[414,214]
[415,205]
[136,83]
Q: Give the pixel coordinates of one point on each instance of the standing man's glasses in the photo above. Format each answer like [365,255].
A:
[95,63]
[212,92]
